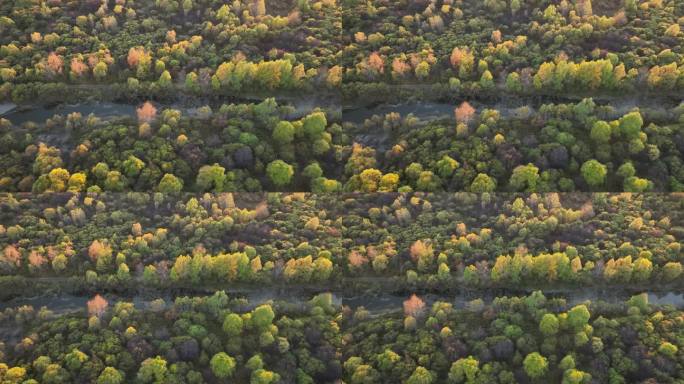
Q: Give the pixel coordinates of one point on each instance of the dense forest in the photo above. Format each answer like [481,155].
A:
[581,146]
[342,191]
[221,339]
[518,46]
[382,241]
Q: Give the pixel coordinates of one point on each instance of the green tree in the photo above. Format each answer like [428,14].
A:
[153,370]
[626,170]
[387,360]
[313,171]
[314,125]
[535,365]
[420,376]
[600,132]
[446,166]
[262,376]
[283,133]
[513,83]
[114,182]
[170,184]
[110,375]
[75,359]
[100,70]
[548,324]
[525,177]
[262,316]
[165,80]
[222,365]
[55,374]
[191,82]
[578,317]
[464,369]
[133,166]
[232,325]
[280,173]
[594,173]
[630,125]
[568,362]
[211,178]
[483,183]
[487,80]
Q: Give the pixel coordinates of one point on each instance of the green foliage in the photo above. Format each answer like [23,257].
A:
[211,178]
[262,316]
[549,324]
[594,173]
[232,325]
[280,173]
[630,125]
[153,370]
[600,132]
[222,365]
[464,370]
[110,375]
[170,184]
[535,365]
[525,177]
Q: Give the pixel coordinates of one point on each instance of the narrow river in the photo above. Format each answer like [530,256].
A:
[507,108]
[374,303]
[19,115]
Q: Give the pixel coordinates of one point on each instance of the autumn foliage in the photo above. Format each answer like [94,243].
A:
[356,259]
[420,249]
[134,56]
[464,113]
[98,249]
[376,63]
[55,63]
[97,306]
[77,66]
[147,113]
[414,306]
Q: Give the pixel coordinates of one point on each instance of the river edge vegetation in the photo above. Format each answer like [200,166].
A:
[215,338]
[394,242]
[578,146]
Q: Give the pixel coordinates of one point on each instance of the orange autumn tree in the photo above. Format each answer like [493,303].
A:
[399,68]
[147,113]
[356,259]
[135,54]
[376,63]
[55,63]
[463,60]
[78,67]
[98,249]
[11,257]
[464,113]
[36,260]
[414,306]
[140,60]
[97,306]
